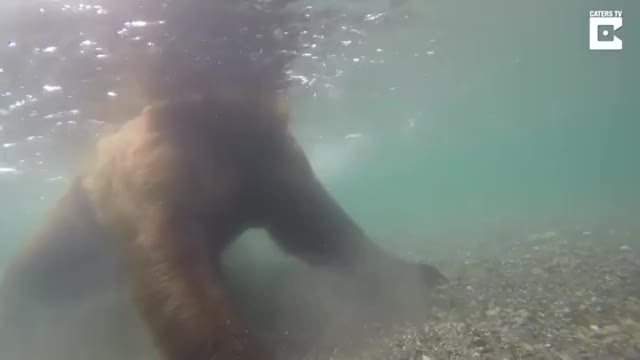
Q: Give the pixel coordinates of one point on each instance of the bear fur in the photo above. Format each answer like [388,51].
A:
[166,194]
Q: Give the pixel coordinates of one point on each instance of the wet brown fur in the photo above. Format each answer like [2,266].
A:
[162,198]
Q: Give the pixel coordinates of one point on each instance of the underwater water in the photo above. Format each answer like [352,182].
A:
[444,128]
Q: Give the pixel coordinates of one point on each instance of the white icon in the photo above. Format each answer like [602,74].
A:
[602,30]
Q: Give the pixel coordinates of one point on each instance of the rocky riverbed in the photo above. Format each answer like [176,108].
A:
[544,297]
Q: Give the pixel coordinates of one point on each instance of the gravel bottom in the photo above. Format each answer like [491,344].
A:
[544,297]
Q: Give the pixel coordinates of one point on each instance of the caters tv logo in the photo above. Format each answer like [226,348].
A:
[603,25]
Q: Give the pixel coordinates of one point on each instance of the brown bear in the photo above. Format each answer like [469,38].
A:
[168,192]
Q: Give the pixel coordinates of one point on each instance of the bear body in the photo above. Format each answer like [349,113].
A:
[167,192]
[165,195]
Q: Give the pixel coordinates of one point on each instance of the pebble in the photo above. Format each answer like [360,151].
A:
[537,271]
[609,330]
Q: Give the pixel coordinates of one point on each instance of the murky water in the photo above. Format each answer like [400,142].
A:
[443,127]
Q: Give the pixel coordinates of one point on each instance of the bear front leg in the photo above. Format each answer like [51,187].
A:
[66,263]
[309,223]
[181,295]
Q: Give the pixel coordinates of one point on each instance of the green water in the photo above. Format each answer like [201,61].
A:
[511,124]
[452,133]
[517,124]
